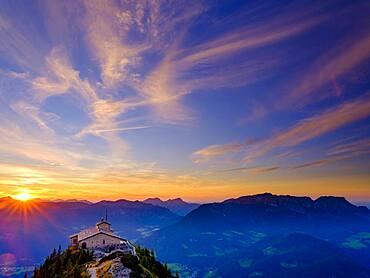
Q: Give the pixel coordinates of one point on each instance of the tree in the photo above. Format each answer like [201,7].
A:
[64,264]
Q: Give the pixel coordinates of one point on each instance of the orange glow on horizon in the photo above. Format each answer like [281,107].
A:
[192,188]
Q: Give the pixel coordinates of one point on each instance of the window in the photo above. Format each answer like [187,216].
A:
[103,241]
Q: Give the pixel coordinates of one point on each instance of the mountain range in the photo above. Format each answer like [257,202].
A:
[220,232]
[261,235]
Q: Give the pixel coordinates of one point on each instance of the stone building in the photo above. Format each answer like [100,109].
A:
[99,236]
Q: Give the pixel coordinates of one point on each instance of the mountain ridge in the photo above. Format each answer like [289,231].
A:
[176,205]
[331,202]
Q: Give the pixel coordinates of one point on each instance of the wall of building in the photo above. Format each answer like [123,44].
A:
[104,227]
[100,240]
[73,241]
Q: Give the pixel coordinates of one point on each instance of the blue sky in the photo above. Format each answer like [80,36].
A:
[199,99]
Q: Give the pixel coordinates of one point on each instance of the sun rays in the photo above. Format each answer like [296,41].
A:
[22,207]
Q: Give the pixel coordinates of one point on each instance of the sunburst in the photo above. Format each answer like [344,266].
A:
[23,196]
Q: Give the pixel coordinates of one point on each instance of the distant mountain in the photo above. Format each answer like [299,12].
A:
[71,201]
[329,204]
[365,204]
[218,231]
[177,205]
[29,230]
[280,213]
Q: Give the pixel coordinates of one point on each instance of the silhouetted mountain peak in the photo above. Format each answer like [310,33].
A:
[178,200]
[176,205]
[6,199]
[301,204]
[154,202]
[157,200]
[333,203]
[70,201]
[291,202]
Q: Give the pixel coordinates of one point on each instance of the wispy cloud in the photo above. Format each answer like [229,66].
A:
[164,94]
[315,163]
[252,169]
[304,130]
[107,27]
[236,169]
[355,146]
[21,44]
[120,129]
[315,126]
[328,75]
[340,151]
[251,37]
[265,169]
[214,151]
[62,78]
[332,66]
[173,78]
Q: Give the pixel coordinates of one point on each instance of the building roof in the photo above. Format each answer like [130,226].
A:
[102,232]
[103,221]
[87,233]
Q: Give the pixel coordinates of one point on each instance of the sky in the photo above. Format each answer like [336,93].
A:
[203,100]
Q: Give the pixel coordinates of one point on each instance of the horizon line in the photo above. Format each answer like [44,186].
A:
[364,202]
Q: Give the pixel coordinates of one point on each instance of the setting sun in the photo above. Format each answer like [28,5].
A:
[24,196]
